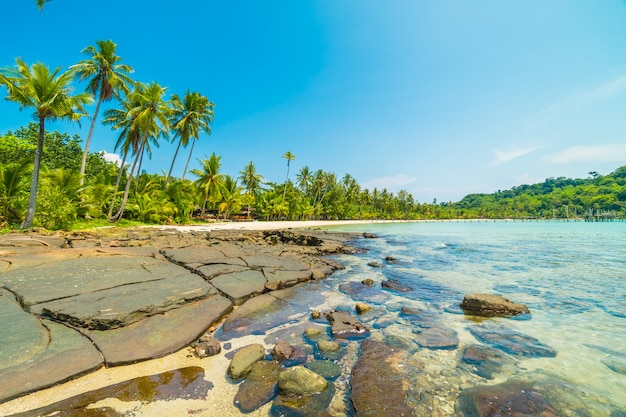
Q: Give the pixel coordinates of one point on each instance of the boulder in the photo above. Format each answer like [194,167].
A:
[344,325]
[300,381]
[207,347]
[328,346]
[259,387]
[243,360]
[328,369]
[490,305]
[395,285]
[362,308]
[378,387]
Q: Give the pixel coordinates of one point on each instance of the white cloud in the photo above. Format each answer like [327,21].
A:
[612,152]
[112,157]
[393,183]
[506,156]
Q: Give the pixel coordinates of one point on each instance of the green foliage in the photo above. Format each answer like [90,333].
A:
[54,209]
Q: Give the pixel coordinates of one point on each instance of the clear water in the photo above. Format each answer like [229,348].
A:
[571,275]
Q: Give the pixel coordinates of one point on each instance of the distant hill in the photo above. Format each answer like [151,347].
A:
[598,195]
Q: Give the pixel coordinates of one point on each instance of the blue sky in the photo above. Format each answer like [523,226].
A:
[441,98]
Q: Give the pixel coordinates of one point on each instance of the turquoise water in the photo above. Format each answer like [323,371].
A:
[571,275]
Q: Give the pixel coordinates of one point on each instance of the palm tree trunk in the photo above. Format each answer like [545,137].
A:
[83,163]
[169,174]
[117,182]
[120,212]
[188,159]
[32,199]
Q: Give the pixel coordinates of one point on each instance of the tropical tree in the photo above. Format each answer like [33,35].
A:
[40,3]
[230,193]
[209,179]
[304,178]
[289,157]
[106,77]
[251,182]
[13,186]
[143,120]
[50,95]
[190,116]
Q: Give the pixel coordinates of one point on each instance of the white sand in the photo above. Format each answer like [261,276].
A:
[276,225]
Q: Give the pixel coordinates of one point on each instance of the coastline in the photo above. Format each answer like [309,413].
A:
[219,399]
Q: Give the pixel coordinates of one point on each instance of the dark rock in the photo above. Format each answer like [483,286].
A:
[519,399]
[489,305]
[369,235]
[512,342]
[420,317]
[391,260]
[344,325]
[240,286]
[487,361]
[375,264]
[438,338]
[378,388]
[243,360]
[259,387]
[207,347]
[282,351]
[368,281]
[395,285]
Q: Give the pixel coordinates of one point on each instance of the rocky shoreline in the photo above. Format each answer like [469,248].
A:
[71,303]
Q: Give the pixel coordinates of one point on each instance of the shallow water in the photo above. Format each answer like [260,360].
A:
[572,276]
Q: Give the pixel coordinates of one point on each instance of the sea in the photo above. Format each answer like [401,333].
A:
[570,274]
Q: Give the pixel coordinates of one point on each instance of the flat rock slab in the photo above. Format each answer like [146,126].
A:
[512,342]
[438,338]
[120,306]
[270,310]
[22,335]
[346,326]
[240,286]
[86,274]
[67,355]
[378,388]
[512,398]
[161,334]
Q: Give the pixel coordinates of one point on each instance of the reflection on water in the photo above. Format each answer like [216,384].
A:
[185,383]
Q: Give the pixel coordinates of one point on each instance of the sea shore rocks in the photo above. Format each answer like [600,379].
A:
[490,305]
[118,296]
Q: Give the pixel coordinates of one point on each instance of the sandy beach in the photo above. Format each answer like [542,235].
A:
[275,225]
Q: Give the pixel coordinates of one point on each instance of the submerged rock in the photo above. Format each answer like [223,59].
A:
[395,285]
[518,399]
[490,305]
[378,386]
[487,361]
[512,342]
[243,360]
[328,369]
[438,338]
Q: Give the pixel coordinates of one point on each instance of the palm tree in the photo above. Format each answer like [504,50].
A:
[209,179]
[304,178]
[49,94]
[230,193]
[40,3]
[250,179]
[13,186]
[190,116]
[145,120]
[251,182]
[106,77]
[289,157]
